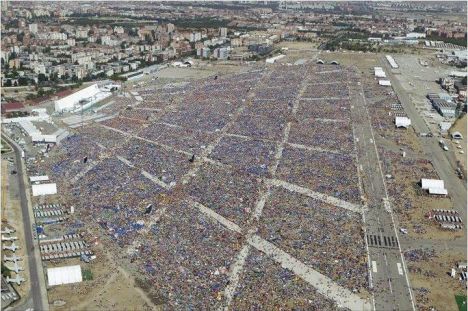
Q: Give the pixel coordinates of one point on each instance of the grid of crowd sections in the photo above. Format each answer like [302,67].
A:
[243,172]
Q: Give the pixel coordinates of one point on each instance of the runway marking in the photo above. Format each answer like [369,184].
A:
[374,266]
[315,195]
[400,269]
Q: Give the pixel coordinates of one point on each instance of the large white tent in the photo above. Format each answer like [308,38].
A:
[64,275]
[44,189]
[71,102]
[434,186]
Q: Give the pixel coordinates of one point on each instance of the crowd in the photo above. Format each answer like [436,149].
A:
[166,165]
[124,124]
[265,285]
[324,109]
[232,194]
[186,255]
[187,260]
[252,156]
[323,134]
[330,173]
[325,237]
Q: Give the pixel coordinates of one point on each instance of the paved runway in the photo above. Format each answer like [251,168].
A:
[389,280]
[35,268]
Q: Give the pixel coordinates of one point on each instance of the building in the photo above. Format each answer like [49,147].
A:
[12,107]
[223,32]
[33,28]
[84,97]
[443,105]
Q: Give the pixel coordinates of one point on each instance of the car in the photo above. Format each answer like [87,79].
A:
[14,172]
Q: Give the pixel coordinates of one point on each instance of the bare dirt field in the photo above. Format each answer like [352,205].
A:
[110,289]
[432,284]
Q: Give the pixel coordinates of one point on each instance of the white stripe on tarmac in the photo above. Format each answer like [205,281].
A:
[400,269]
[324,285]
[209,212]
[316,195]
[234,275]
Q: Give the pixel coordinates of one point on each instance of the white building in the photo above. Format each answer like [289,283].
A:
[85,97]
[33,28]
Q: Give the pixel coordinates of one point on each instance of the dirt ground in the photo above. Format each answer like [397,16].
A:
[111,288]
[461,127]
[433,275]
[12,218]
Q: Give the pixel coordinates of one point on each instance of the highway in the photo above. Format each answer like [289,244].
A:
[388,274]
[36,276]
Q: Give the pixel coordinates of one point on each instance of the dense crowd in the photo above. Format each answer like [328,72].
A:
[242,120]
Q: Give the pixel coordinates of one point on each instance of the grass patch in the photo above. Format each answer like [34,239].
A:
[87,274]
[461,302]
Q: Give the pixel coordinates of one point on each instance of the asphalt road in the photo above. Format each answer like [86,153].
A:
[35,268]
[387,268]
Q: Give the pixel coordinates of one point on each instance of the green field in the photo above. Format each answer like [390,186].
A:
[87,274]
[461,302]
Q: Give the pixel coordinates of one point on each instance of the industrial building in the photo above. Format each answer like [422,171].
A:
[443,104]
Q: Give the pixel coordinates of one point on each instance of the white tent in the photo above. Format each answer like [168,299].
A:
[385,82]
[38,178]
[69,102]
[44,189]
[431,183]
[64,275]
[402,122]
[434,186]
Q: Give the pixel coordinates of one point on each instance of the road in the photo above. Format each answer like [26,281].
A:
[388,272]
[36,276]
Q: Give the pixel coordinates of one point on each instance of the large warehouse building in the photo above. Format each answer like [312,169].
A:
[82,99]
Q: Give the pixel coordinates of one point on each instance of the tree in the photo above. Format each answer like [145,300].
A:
[41,78]
[8,83]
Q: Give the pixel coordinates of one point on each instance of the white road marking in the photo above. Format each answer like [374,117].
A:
[400,269]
